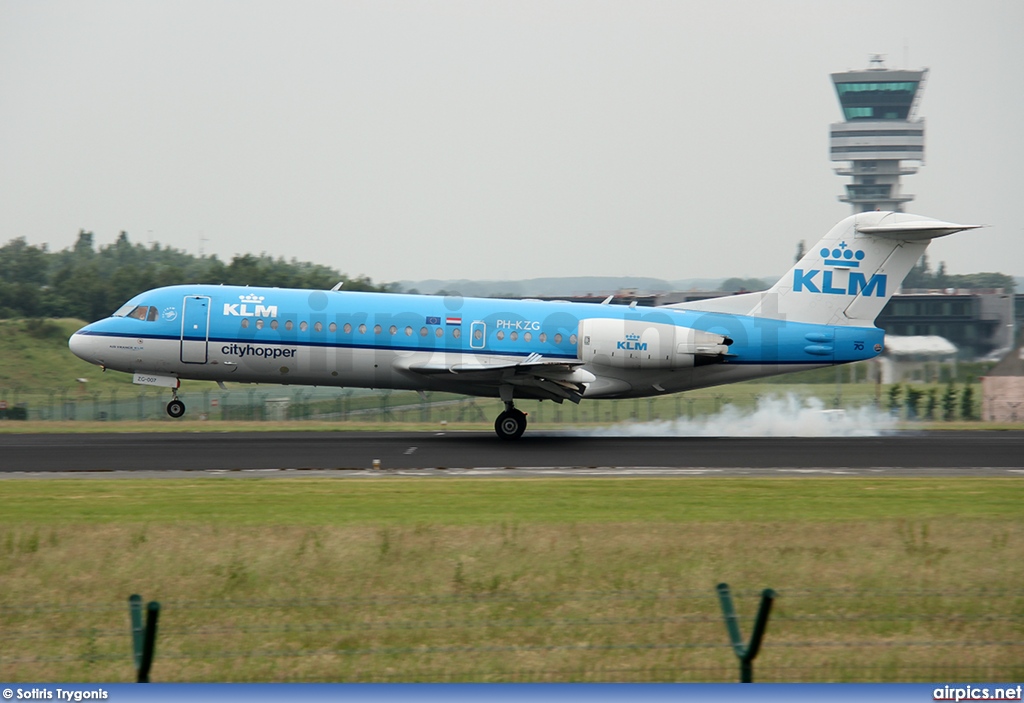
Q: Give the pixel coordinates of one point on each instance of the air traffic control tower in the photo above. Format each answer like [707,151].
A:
[879,134]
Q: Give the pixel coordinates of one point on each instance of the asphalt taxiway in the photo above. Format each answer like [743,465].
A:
[482,454]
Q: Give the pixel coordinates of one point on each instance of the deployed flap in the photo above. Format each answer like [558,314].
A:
[552,379]
[532,362]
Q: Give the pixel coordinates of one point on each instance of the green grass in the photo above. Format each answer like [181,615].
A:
[395,501]
[394,579]
[35,354]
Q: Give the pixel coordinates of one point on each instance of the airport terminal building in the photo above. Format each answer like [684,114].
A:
[979,322]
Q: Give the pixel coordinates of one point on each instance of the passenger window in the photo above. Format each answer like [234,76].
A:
[392,330]
[259,324]
[245,323]
[527,336]
[303,326]
[514,336]
[288,325]
[332,327]
[543,337]
[439,333]
[572,339]
[456,333]
[558,338]
[408,331]
[347,329]
[318,327]
[273,324]
[423,331]
[362,329]
[500,335]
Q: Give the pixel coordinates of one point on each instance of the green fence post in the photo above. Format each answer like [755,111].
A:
[138,631]
[143,636]
[745,653]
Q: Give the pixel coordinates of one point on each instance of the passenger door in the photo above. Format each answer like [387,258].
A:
[195,329]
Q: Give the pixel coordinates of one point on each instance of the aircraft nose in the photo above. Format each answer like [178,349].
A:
[83,346]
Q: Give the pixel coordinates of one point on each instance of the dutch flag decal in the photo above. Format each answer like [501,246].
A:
[453,320]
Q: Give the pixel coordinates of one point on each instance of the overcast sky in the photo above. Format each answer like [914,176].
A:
[494,140]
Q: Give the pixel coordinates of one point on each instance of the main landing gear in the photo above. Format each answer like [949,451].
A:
[175,408]
[510,424]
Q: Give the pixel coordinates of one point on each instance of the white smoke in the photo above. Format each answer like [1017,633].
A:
[787,416]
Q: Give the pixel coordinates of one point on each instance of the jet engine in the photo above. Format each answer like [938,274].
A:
[635,344]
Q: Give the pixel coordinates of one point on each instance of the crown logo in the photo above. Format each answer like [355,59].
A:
[632,338]
[250,298]
[842,255]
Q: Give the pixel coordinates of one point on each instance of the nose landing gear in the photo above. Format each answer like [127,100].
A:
[510,424]
[175,408]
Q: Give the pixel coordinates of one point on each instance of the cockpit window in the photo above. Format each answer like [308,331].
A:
[139,312]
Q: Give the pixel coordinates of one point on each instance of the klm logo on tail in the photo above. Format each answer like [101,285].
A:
[829,283]
[855,284]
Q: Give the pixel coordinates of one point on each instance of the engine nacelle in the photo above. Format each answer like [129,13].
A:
[635,344]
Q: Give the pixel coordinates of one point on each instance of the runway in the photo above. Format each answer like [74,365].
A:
[352,454]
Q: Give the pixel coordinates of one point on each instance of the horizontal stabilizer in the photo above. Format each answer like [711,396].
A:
[915,230]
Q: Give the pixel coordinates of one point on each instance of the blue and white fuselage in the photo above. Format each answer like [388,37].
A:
[514,348]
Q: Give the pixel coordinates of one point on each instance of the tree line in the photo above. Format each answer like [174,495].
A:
[922,276]
[89,283]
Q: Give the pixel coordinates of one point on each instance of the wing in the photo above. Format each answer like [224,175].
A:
[550,379]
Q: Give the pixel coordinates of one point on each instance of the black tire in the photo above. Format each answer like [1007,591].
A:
[175,408]
[510,424]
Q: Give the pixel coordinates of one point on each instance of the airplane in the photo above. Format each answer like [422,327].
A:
[821,313]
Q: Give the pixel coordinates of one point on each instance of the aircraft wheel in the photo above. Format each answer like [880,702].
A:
[510,424]
[175,408]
